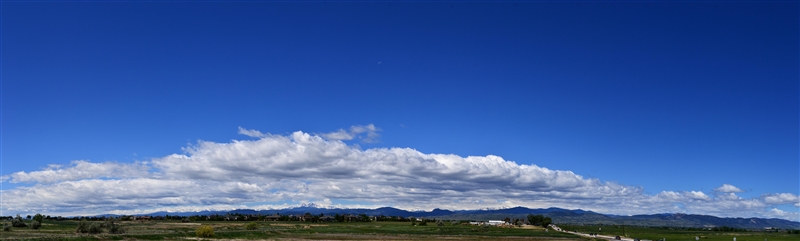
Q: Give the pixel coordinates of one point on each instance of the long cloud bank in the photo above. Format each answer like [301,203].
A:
[276,171]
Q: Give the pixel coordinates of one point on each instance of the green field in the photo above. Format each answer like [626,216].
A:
[176,230]
[677,234]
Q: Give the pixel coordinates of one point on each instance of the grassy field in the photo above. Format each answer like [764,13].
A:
[174,230]
[682,235]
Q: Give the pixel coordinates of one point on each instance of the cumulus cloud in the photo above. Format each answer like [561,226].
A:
[370,131]
[303,167]
[728,188]
[79,170]
[781,198]
[697,195]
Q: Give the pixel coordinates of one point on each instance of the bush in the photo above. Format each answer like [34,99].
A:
[114,228]
[251,226]
[36,225]
[83,227]
[18,223]
[6,227]
[95,228]
[205,231]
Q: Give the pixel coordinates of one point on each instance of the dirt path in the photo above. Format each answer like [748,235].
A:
[591,236]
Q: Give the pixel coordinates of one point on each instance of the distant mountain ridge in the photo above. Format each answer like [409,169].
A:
[558,215]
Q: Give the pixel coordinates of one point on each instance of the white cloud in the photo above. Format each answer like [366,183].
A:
[697,195]
[251,133]
[669,195]
[80,169]
[728,196]
[341,134]
[355,131]
[781,198]
[728,188]
[302,167]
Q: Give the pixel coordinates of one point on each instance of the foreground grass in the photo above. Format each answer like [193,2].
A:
[676,234]
[172,230]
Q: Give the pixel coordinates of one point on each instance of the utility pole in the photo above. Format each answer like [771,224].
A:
[626,235]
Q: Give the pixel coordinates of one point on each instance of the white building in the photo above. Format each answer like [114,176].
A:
[496,222]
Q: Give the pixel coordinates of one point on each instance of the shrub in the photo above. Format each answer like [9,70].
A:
[116,229]
[251,226]
[95,228]
[205,231]
[36,225]
[83,227]
[18,223]
[6,227]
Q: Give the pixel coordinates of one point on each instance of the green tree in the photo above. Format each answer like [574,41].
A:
[539,220]
[533,219]
[546,221]
[38,217]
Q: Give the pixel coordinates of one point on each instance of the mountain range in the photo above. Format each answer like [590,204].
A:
[558,215]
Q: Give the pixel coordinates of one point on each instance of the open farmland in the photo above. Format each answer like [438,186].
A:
[176,230]
[265,230]
[675,234]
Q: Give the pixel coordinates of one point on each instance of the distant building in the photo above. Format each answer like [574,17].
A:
[496,222]
[272,218]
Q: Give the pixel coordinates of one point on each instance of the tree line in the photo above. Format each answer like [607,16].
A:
[539,220]
[91,224]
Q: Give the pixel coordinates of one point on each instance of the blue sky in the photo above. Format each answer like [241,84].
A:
[681,104]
